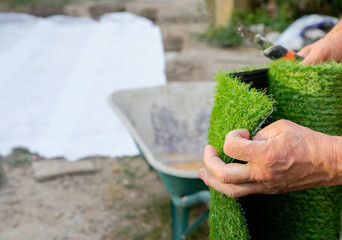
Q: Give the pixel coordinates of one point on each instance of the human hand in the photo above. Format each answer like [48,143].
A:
[282,157]
[325,49]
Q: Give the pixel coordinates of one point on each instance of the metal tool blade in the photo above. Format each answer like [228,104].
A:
[254,38]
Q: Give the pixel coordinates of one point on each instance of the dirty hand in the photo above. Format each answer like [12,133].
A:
[325,49]
[282,157]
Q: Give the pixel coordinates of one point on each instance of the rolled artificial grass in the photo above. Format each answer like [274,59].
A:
[237,105]
[308,95]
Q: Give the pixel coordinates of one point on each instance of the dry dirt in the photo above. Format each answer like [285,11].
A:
[124,199]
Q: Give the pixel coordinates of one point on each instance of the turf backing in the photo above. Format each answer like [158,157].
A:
[236,106]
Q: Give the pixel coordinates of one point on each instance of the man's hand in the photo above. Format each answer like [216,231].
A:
[282,157]
[325,49]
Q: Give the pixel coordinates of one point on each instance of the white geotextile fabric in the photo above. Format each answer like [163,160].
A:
[56,74]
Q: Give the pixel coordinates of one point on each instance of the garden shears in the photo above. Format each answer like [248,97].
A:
[270,49]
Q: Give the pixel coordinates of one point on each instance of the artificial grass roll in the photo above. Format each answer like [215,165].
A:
[307,95]
[236,106]
[310,96]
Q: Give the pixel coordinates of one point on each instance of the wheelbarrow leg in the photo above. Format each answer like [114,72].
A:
[180,208]
[179,221]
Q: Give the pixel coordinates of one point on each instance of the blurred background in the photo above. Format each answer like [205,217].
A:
[121,197]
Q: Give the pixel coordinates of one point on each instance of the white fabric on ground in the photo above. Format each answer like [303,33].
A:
[55,76]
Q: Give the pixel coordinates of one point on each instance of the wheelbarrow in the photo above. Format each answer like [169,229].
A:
[169,125]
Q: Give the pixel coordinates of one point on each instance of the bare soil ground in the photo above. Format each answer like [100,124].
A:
[124,199]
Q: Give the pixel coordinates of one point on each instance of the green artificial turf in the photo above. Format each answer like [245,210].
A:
[236,106]
[310,96]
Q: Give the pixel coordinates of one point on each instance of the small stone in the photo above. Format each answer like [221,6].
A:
[54,168]
[58,215]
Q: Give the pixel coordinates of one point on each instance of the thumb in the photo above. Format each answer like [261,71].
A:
[237,145]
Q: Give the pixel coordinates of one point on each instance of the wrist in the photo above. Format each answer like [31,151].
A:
[337,157]
[333,38]
[327,153]
[337,27]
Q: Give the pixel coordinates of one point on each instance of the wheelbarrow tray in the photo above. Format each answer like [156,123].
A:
[169,124]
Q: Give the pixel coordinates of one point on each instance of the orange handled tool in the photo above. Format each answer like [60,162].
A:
[270,50]
[276,51]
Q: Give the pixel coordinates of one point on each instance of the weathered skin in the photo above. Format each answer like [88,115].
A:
[325,49]
[282,157]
